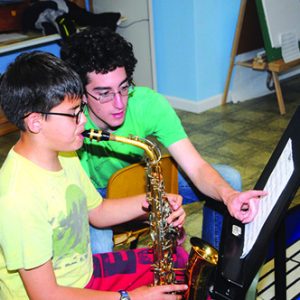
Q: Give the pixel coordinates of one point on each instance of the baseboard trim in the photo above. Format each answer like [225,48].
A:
[195,106]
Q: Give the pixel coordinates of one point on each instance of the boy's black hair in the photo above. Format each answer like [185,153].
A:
[36,81]
[100,50]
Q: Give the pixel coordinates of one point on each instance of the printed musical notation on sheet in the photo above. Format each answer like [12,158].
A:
[275,185]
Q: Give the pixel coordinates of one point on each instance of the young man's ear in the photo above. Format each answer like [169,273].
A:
[34,122]
[84,99]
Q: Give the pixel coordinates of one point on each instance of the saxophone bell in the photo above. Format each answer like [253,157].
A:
[200,270]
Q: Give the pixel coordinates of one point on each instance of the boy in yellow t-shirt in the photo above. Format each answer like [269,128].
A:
[47,201]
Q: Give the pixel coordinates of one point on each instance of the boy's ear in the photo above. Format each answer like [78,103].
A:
[34,122]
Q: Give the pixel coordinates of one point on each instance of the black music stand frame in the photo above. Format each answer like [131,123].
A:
[234,275]
[279,262]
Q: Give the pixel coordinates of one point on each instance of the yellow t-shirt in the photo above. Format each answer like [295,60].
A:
[44,215]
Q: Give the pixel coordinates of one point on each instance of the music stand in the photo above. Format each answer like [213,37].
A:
[235,273]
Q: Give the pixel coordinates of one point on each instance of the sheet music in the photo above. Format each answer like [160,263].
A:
[275,185]
[289,46]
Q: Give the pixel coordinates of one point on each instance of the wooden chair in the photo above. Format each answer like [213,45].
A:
[131,181]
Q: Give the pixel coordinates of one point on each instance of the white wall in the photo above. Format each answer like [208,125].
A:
[137,29]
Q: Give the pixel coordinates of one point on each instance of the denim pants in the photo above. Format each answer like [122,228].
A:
[102,239]
[212,217]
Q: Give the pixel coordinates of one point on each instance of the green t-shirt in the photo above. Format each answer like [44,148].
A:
[44,215]
[148,114]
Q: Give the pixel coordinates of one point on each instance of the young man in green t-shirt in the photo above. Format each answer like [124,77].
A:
[105,62]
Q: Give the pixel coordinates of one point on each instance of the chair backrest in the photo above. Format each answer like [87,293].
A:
[131,180]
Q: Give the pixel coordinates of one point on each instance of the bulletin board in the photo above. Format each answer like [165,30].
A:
[256,21]
[277,17]
[248,37]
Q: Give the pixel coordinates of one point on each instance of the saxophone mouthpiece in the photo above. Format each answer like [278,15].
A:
[97,135]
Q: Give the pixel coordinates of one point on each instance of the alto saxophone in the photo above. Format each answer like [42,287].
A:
[163,235]
[203,257]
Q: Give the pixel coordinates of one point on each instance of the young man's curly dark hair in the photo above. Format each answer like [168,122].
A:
[98,49]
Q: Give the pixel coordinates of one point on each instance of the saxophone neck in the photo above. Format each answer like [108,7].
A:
[151,150]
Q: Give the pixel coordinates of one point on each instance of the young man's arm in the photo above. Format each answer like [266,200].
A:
[209,182]
[116,211]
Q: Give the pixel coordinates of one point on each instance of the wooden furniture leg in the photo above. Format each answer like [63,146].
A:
[278,93]
[234,48]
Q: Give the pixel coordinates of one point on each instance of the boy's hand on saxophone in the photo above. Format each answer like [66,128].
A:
[177,217]
[161,292]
